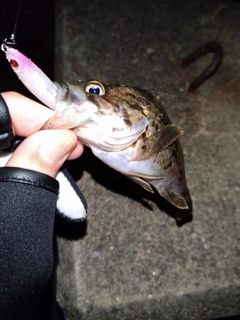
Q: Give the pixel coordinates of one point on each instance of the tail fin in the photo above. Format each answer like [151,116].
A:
[182,202]
[174,198]
[185,213]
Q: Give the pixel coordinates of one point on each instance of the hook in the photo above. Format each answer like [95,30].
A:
[8,43]
[211,47]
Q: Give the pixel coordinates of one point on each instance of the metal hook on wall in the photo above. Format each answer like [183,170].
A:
[211,47]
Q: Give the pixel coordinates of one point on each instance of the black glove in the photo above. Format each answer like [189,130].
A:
[6,132]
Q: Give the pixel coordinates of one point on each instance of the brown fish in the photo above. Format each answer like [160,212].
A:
[126,127]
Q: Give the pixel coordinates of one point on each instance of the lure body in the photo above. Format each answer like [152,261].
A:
[33,78]
[126,127]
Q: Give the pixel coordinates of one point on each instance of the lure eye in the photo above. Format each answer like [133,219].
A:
[95,88]
[13,63]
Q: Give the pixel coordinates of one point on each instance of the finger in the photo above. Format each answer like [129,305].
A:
[76,152]
[44,151]
[27,115]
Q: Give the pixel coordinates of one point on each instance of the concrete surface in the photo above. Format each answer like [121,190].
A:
[135,262]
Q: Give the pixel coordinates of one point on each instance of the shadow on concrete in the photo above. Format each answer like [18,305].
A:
[70,230]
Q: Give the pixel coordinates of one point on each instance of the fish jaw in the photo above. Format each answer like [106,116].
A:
[32,77]
[111,139]
[95,123]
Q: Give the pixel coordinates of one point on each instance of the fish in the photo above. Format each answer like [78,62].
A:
[125,127]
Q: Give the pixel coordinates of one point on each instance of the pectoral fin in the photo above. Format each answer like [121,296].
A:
[158,141]
[174,198]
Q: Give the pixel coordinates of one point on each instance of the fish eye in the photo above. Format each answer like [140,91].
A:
[95,88]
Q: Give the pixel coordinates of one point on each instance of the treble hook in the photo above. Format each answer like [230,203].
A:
[8,43]
[211,47]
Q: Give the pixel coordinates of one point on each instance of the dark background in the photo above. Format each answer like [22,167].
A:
[34,37]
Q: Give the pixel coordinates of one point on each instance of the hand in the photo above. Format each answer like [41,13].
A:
[44,151]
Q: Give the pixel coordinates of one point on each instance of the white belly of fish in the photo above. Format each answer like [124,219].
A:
[120,161]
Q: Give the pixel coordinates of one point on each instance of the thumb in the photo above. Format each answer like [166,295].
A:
[44,151]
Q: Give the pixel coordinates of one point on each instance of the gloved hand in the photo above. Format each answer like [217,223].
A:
[53,148]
